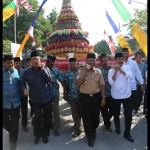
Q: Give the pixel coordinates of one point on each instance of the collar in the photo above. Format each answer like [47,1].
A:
[11,70]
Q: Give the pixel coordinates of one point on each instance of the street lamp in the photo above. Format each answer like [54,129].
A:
[130,2]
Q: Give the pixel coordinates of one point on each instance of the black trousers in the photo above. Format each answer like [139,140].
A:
[107,111]
[41,119]
[11,123]
[24,111]
[90,110]
[133,96]
[138,99]
[127,105]
[145,110]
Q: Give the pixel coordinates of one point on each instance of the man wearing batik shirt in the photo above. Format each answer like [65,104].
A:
[107,110]
[11,100]
[73,93]
[57,76]
[139,92]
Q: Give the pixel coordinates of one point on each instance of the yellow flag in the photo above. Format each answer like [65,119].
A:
[140,36]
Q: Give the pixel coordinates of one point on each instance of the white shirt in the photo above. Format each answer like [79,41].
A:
[135,72]
[120,88]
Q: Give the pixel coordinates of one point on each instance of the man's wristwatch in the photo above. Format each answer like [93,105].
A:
[103,96]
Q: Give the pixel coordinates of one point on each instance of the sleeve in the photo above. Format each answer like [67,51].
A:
[110,74]
[78,74]
[60,76]
[66,78]
[23,81]
[128,72]
[138,74]
[47,74]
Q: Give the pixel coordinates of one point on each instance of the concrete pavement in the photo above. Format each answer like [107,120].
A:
[104,140]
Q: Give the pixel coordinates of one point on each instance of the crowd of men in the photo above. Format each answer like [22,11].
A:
[89,91]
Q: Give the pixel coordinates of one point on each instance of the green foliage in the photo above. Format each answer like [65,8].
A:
[102,47]
[23,22]
[6,47]
[53,18]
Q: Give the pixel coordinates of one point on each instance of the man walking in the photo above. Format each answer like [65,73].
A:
[139,92]
[119,79]
[23,98]
[91,82]
[11,100]
[56,75]
[135,73]
[73,93]
[107,110]
[38,80]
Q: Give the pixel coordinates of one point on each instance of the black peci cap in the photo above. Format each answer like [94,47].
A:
[117,55]
[91,55]
[8,57]
[51,58]
[125,50]
[72,60]
[16,59]
[34,53]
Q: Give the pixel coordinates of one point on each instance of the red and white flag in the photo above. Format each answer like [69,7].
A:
[26,5]
[110,43]
[33,41]
[39,48]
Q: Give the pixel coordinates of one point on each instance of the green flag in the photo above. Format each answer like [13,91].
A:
[122,10]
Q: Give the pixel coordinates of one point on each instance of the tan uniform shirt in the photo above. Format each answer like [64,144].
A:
[92,81]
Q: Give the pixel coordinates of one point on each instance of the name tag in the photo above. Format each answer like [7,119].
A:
[97,76]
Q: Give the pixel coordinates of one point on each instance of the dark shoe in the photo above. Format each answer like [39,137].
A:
[118,131]
[31,114]
[129,138]
[36,140]
[75,134]
[25,129]
[12,146]
[45,139]
[109,129]
[91,143]
[56,132]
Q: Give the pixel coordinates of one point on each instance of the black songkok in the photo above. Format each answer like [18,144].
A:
[137,53]
[34,53]
[8,57]
[125,50]
[91,55]
[72,60]
[16,59]
[51,57]
[117,55]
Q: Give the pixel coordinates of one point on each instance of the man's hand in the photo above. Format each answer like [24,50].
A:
[26,92]
[42,66]
[142,87]
[103,102]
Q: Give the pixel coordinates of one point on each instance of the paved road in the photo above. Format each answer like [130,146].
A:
[104,140]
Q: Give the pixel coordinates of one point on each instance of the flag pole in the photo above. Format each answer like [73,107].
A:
[22,45]
[15,27]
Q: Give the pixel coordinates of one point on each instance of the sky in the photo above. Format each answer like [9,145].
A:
[91,14]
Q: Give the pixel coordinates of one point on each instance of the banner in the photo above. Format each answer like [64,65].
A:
[14,49]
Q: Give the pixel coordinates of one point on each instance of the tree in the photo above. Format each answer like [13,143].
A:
[102,47]
[53,18]
[23,22]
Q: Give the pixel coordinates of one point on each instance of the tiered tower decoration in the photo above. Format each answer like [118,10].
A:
[68,36]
